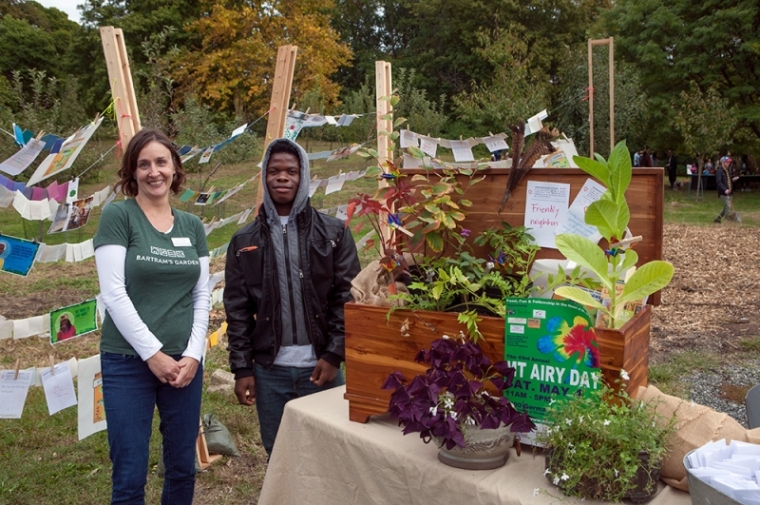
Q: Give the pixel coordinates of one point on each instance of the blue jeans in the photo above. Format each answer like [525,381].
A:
[274,388]
[130,394]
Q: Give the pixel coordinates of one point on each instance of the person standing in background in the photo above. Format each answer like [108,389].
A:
[672,166]
[153,265]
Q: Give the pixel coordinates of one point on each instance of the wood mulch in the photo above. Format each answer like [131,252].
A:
[713,302]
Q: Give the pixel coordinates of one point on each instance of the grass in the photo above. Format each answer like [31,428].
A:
[45,463]
[667,376]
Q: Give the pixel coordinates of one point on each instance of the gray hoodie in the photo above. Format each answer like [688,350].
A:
[285,244]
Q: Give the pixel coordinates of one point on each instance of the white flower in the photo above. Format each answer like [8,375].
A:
[470,421]
[570,445]
[434,410]
[546,472]
[581,419]
[616,472]
[624,375]
[564,476]
[606,422]
[536,491]
[453,415]
[569,422]
[572,451]
[446,337]
[556,481]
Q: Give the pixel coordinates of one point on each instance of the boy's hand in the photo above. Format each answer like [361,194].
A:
[245,390]
[323,372]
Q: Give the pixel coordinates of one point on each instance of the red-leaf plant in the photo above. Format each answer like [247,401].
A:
[461,389]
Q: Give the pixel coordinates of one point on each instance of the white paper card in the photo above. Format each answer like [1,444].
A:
[59,388]
[22,158]
[545,206]
[575,221]
[429,146]
[91,412]
[408,139]
[462,151]
[335,183]
[495,143]
[13,392]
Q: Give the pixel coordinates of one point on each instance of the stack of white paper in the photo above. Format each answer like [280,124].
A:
[732,469]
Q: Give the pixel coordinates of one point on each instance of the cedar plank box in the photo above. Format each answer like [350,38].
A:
[377,345]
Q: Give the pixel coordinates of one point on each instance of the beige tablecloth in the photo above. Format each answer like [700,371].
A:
[320,457]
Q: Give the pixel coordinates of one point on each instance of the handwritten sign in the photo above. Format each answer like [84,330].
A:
[545,207]
[575,219]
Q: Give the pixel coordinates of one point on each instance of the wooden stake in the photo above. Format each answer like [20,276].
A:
[591,44]
[120,78]
[201,450]
[52,364]
[278,105]
[17,366]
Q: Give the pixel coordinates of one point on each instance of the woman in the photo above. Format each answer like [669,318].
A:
[153,269]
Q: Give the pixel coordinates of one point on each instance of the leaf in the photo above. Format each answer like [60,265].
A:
[586,253]
[630,258]
[649,278]
[620,171]
[394,100]
[434,240]
[594,169]
[373,152]
[399,121]
[416,152]
[578,295]
[609,217]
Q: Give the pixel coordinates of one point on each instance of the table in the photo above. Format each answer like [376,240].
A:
[320,457]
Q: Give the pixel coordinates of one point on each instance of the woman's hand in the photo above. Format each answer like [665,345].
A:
[164,367]
[188,368]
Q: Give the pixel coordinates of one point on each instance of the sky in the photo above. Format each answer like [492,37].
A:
[67,6]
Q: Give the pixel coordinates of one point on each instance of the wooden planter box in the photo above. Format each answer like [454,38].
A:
[377,346]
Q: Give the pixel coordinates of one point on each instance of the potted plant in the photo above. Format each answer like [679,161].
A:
[612,261]
[605,446]
[459,402]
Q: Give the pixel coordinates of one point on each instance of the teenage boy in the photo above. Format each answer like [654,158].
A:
[287,277]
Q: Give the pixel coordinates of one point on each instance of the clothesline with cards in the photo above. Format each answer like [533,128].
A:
[57,381]
[297,120]
[41,325]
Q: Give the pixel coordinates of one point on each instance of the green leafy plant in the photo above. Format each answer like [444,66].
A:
[610,214]
[594,443]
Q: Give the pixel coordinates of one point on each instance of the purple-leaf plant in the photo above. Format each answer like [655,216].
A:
[460,389]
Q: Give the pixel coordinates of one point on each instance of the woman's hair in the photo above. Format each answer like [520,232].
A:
[127,183]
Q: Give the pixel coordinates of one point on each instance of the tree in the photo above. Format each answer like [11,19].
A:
[232,65]
[572,111]
[512,95]
[706,122]
[675,43]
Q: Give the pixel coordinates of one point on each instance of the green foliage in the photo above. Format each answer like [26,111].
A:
[675,43]
[512,93]
[611,215]
[705,121]
[594,442]
[631,102]
[423,115]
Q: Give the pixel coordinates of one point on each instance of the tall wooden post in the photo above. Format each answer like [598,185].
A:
[120,78]
[278,105]
[591,44]
[383,90]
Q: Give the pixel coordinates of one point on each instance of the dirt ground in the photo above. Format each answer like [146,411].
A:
[713,301]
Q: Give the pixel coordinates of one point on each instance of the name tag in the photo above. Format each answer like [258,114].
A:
[181,242]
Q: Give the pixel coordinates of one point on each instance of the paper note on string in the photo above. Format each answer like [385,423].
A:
[59,388]
[63,158]
[13,391]
[23,158]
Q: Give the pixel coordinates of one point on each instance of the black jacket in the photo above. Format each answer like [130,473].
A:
[251,295]
[722,181]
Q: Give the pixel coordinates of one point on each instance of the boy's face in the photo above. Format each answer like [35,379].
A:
[283,179]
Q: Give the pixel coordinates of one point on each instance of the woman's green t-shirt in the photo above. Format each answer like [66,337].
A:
[160,272]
